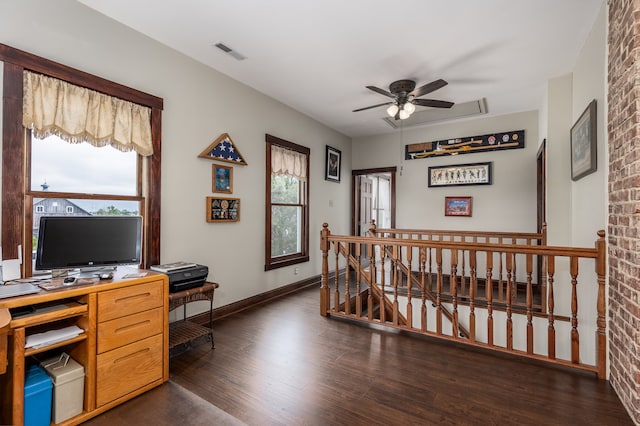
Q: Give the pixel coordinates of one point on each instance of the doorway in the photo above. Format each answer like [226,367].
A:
[373,197]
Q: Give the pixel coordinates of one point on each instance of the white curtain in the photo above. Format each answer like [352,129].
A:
[77,114]
[288,162]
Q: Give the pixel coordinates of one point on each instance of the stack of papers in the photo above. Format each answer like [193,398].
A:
[170,267]
[40,340]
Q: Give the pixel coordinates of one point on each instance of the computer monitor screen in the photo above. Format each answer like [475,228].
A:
[70,242]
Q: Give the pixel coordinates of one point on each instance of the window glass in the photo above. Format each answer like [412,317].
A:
[60,166]
[286,222]
[285,189]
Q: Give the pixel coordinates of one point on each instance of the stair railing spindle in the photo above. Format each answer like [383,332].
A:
[439,290]
[453,285]
[529,303]
[509,285]
[336,276]
[423,289]
[551,333]
[358,279]
[409,286]
[472,295]
[397,257]
[575,336]
[347,291]
[383,273]
[488,290]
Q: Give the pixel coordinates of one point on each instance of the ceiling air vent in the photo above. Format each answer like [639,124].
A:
[432,115]
[226,49]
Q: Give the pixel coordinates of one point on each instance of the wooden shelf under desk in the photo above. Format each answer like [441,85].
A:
[47,313]
[34,351]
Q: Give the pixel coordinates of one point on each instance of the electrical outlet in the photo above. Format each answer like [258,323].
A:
[295,271]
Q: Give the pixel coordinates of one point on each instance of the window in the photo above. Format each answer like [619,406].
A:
[24,191]
[287,203]
[60,169]
[60,166]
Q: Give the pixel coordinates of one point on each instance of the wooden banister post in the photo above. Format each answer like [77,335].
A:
[601,332]
[324,281]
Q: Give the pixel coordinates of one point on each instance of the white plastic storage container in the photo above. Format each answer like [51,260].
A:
[68,386]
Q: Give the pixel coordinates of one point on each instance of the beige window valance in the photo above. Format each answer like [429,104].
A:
[288,162]
[77,114]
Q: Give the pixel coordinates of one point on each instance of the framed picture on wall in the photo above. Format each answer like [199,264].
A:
[333,164]
[457,206]
[461,174]
[222,179]
[584,144]
[223,209]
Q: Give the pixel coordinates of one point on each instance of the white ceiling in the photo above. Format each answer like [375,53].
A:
[317,56]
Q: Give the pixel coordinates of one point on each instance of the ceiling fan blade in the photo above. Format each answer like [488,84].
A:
[433,103]
[372,106]
[429,87]
[381,91]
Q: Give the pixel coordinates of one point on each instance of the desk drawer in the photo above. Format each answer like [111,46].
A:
[128,368]
[124,330]
[129,300]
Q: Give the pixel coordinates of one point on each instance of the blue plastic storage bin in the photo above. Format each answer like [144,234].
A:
[37,397]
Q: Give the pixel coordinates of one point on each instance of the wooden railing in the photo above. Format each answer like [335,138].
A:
[379,280]
[518,290]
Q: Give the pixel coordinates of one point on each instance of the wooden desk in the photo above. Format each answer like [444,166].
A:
[124,347]
[184,332]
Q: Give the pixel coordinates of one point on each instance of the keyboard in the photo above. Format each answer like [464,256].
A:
[20,289]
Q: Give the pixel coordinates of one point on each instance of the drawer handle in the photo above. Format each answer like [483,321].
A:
[137,324]
[147,294]
[140,352]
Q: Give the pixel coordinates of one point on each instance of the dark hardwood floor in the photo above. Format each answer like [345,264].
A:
[283,364]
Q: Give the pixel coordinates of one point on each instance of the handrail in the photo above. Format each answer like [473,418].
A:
[504,325]
[508,248]
[537,236]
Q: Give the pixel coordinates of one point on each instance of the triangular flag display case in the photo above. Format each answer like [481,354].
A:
[223,149]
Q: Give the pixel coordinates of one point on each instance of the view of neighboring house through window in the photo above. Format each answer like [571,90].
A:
[81,179]
[287,214]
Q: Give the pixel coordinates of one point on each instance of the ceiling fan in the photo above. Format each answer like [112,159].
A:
[405,97]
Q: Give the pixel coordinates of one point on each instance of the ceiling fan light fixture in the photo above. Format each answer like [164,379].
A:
[409,107]
[403,114]
[392,110]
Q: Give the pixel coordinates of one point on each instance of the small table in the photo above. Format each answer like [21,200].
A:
[184,332]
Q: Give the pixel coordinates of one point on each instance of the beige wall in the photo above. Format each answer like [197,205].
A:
[589,194]
[509,204]
[199,105]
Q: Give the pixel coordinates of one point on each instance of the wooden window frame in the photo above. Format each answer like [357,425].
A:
[271,262]
[16,198]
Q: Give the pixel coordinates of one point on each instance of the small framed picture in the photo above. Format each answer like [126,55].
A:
[457,206]
[333,163]
[222,179]
[223,209]
[584,144]
[460,174]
